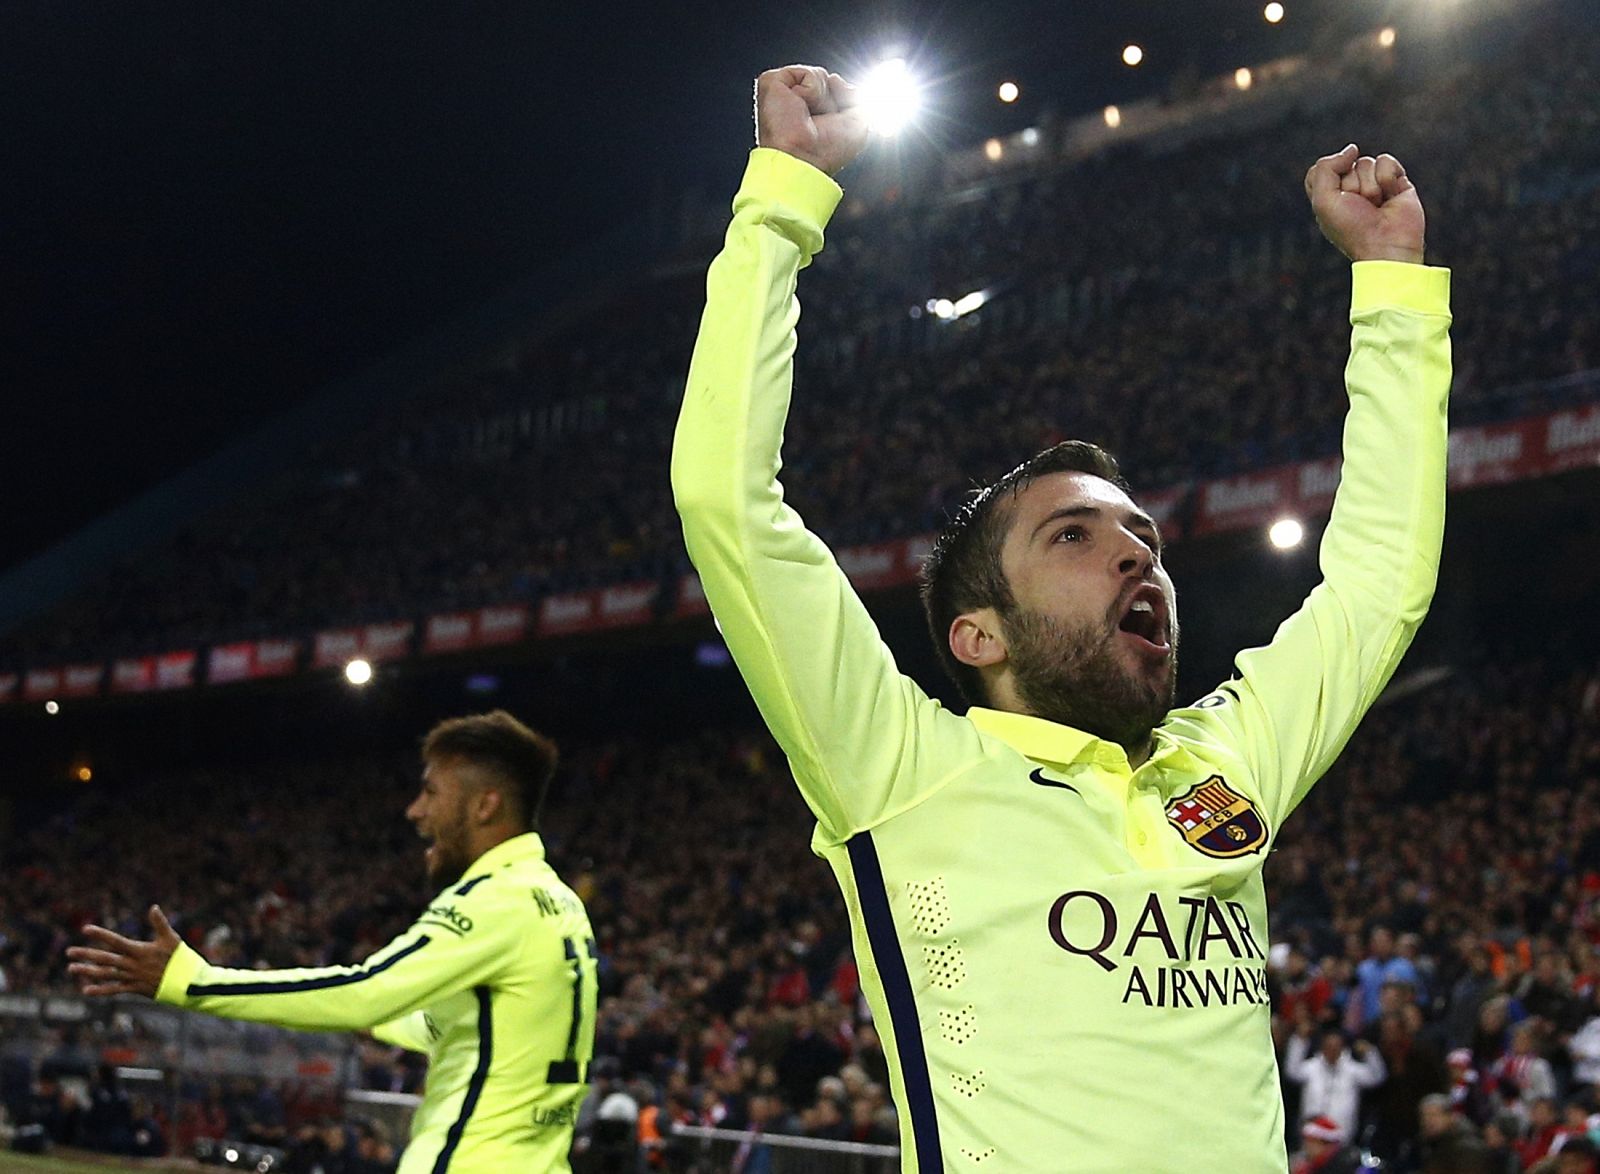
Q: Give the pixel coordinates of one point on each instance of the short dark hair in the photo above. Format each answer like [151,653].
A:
[962,572]
[505,749]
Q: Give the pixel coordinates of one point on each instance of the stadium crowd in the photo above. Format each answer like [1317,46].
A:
[1435,965]
[1130,306]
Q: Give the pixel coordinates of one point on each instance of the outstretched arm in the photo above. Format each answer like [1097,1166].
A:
[1295,702]
[827,686]
[425,963]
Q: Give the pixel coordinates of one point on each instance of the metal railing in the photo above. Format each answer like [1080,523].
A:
[702,1150]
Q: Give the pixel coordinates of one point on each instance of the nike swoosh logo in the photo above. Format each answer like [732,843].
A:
[1038,777]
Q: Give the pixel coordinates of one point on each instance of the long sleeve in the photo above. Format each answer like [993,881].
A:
[1369,1070]
[410,1032]
[863,740]
[1295,702]
[1294,1060]
[446,950]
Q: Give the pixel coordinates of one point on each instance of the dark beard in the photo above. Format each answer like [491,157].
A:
[1073,676]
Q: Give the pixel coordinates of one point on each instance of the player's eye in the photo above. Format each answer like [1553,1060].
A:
[1073,533]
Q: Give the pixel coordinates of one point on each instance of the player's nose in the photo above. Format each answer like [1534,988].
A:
[1132,558]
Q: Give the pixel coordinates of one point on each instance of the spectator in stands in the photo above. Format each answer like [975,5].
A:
[1447,1143]
[1332,1080]
[1324,1150]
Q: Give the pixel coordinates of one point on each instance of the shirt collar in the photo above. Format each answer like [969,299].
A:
[1033,737]
[1047,741]
[527,846]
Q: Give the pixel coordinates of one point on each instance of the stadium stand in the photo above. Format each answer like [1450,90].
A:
[1197,329]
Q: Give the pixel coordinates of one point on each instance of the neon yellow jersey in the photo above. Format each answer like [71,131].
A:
[1064,957]
[495,982]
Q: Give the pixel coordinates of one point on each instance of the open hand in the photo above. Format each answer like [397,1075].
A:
[810,114]
[1367,207]
[116,965]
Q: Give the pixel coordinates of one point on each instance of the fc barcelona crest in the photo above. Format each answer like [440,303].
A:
[1217,820]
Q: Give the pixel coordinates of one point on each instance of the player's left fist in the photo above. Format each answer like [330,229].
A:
[1367,207]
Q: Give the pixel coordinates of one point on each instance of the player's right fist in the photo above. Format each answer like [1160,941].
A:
[811,114]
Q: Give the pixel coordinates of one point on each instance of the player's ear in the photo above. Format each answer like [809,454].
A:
[976,638]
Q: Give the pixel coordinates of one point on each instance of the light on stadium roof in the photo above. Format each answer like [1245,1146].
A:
[1008,91]
[1273,12]
[944,308]
[994,150]
[52,707]
[1132,55]
[1243,78]
[890,96]
[1113,117]
[358,671]
[84,774]
[1286,534]
[1386,38]
[1030,136]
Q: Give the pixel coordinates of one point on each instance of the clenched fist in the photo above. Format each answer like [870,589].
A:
[1367,207]
[810,114]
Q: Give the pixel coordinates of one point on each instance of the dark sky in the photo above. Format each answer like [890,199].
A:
[208,210]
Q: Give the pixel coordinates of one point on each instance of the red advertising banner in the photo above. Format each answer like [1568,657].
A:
[1249,500]
[1496,453]
[333,648]
[41,684]
[275,658]
[691,598]
[1163,506]
[448,633]
[82,680]
[571,612]
[133,675]
[175,670]
[387,641]
[503,625]
[1571,440]
[230,662]
[874,567]
[8,687]
[626,605]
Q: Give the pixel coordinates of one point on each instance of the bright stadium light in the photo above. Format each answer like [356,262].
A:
[994,150]
[944,308]
[1008,91]
[1273,12]
[1132,55]
[1030,136]
[1243,78]
[1113,117]
[889,96]
[1386,38]
[52,708]
[84,773]
[1286,533]
[358,672]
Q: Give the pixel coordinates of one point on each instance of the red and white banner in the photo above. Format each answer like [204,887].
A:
[375,642]
[488,626]
[41,684]
[1571,440]
[133,674]
[82,680]
[175,670]
[8,687]
[691,598]
[251,660]
[623,606]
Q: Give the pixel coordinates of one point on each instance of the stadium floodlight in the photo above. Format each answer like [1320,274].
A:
[1243,78]
[994,150]
[52,707]
[84,773]
[1008,91]
[1386,38]
[944,308]
[967,303]
[358,671]
[1030,136]
[1113,117]
[890,96]
[1132,54]
[1272,13]
[1286,533]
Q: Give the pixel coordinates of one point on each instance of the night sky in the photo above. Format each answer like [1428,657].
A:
[209,210]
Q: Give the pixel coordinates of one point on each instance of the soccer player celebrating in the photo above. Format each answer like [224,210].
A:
[1056,900]
[495,981]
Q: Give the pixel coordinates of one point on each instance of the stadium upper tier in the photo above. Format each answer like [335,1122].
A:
[1174,304]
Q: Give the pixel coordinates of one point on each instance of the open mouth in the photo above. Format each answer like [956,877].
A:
[1144,621]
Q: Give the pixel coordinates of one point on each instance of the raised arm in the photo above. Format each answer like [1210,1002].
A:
[1295,702]
[430,960]
[824,681]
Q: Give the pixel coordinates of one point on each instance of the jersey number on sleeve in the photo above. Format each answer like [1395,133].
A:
[567,1070]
